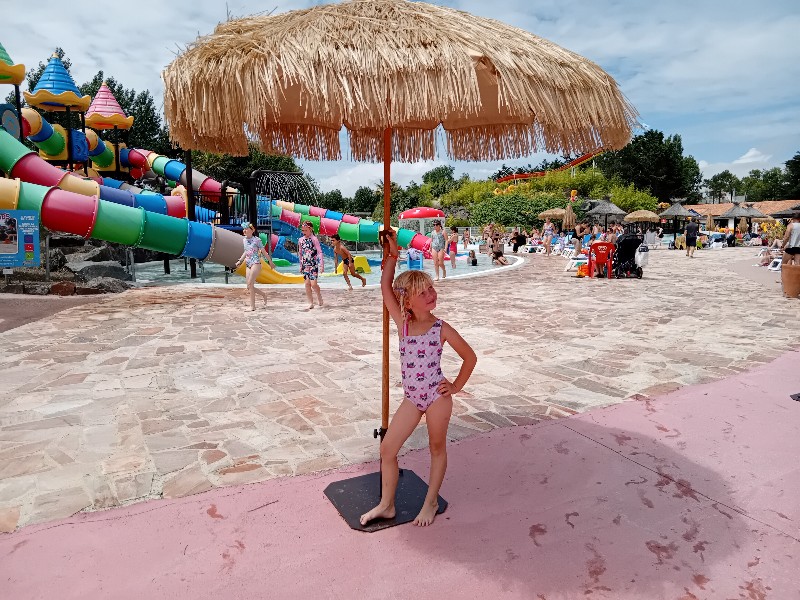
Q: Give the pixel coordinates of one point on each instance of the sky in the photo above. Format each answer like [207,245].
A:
[723,74]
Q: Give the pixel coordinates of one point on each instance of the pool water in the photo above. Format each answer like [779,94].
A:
[152,273]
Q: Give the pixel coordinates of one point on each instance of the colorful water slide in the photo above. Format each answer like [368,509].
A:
[72,205]
[171,170]
[51,139]
[573,163]
[350,228]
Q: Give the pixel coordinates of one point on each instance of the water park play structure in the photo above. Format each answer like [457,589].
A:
[112,210]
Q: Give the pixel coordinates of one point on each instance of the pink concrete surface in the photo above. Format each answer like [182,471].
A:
[687,496]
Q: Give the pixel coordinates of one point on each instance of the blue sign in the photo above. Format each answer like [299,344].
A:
[19,238]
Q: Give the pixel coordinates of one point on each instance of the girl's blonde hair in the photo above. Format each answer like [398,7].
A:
[407,285]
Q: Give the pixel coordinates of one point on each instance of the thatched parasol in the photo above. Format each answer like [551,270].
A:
[291,82]
[556,214]
[676,211]
[569,218]
[390,72]
[642,216]
[709,223]
[606,209]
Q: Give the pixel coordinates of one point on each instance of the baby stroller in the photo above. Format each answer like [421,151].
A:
[626,261]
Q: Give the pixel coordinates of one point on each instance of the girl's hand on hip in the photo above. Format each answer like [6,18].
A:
[446,388]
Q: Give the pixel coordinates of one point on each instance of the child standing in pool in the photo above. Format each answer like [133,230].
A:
[312,262]
[453,245]
[410,299]
[253,251]
[348,264]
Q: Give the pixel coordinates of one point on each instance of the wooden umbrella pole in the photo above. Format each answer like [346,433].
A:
[387,201]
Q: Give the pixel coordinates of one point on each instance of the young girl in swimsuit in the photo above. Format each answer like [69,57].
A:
[410,299]
[253,251]
[312,262]
[453,249]
[548,231]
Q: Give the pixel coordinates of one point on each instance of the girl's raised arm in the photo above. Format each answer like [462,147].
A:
[387,275]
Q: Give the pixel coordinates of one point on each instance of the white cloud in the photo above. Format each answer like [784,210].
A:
[753,155]
[752,159]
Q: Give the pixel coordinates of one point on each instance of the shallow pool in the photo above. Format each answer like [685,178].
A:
[152,273]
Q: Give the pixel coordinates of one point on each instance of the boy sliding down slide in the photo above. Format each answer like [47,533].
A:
[348,264]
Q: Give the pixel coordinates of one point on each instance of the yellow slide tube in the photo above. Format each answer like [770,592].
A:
[85,187]
[270,275]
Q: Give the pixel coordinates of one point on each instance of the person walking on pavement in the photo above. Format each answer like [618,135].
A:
[691,231]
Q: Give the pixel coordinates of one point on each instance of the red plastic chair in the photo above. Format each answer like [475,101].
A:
[600,253]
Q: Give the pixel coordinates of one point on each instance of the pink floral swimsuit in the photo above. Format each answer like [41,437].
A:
[420,360]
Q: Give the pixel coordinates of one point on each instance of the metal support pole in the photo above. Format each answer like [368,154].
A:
[47,257]
[166,266]
[19,112]
[202,272]
[191,215]
[86,162]
[69,139]
[133,265]
[117,172]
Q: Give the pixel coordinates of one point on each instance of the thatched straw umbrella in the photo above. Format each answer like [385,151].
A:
[675,212]
[556,214]
[741,211]
[606,209]
[390,72]
[642,216]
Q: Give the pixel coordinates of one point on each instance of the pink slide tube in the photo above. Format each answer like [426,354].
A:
[350,219]
[292,218]
[316,211]
[421,242]
[34,169]
[211,188]
[176,207]
[328,226]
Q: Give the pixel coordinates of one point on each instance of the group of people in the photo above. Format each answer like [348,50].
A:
[312,262]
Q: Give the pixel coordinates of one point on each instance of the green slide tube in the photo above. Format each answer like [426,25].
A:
[163,233]
[368,231]
[31,197]
[104,159]
[348,231]
[158,164]
[404,237]
[119,224]
[10,153]
[276,210]
[301,208]
[313,220]
[53,145]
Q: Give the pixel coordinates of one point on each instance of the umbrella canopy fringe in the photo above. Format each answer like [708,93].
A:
[499,91]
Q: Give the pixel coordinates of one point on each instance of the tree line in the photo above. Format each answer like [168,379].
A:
[651,169]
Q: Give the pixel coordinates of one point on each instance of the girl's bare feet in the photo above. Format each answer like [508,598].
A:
[426,515]
[249,309]
[379,512]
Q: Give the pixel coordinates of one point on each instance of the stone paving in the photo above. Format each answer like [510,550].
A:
[166,392]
